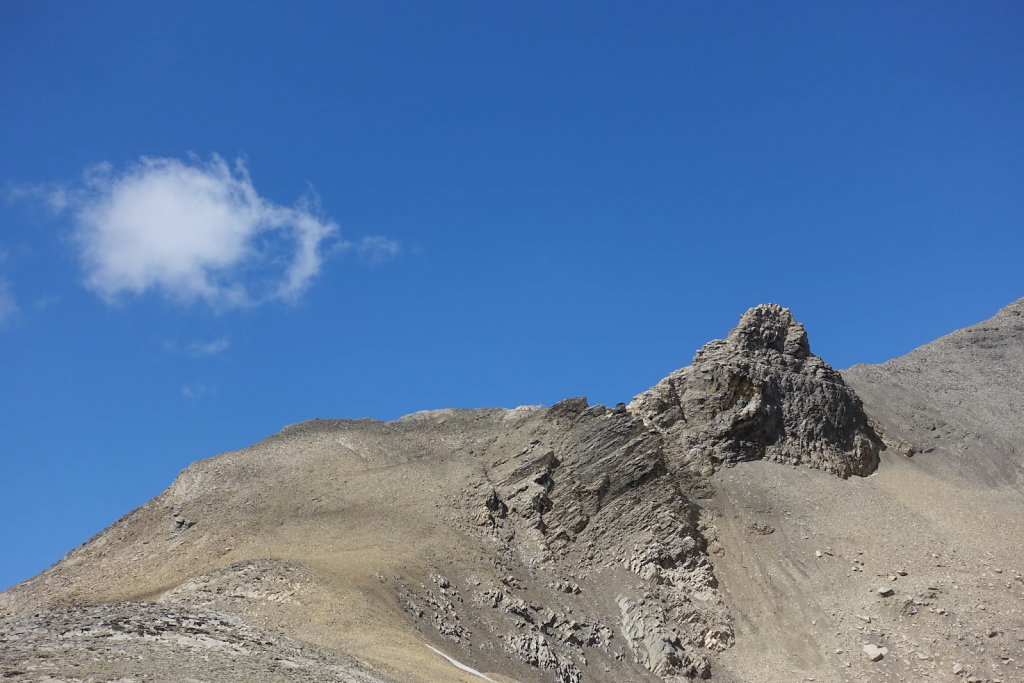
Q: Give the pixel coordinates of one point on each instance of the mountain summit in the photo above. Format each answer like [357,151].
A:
[699,532]
[761,394]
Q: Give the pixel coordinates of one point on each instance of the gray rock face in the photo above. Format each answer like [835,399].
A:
[658,648]
[588,500]
[533,648]
[761,394]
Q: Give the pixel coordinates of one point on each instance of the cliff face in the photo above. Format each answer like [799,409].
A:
[655,542]
[760,394]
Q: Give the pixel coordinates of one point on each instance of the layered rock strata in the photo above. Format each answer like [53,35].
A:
[761,394]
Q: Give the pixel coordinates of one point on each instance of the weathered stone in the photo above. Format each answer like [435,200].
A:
[874,652]
[761,394]
[534,649]
[593,487]
[655,645]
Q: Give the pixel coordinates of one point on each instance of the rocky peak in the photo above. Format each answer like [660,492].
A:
[761,394]
[770,328]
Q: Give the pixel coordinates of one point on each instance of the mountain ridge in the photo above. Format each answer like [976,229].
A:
[663,540]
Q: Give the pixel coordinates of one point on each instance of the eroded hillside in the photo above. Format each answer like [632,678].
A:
[734,522]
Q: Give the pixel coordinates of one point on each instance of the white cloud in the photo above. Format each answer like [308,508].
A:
[54,197]
[192,231]
[375,249]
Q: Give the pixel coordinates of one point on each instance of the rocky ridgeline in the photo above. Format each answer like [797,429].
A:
[761,394]
[585,555]
[603,500]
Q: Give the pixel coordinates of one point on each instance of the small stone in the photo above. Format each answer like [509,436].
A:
[884,591]
[958,668]
[874,652]
[866,619]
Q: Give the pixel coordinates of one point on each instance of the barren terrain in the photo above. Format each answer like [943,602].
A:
[756,516]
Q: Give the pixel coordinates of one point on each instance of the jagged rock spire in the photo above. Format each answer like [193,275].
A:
[761,394]
[770,327]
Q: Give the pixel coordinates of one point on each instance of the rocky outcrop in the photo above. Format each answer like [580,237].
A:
[590,505]
[151,641]
[602,501]
[247,582]
[761,394]
[656,646]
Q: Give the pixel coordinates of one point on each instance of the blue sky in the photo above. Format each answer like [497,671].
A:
[221,218]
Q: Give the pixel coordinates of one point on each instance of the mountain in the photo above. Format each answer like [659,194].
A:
[755,516]
[958,399]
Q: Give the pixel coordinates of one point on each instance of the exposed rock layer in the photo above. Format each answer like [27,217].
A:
[761,394]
